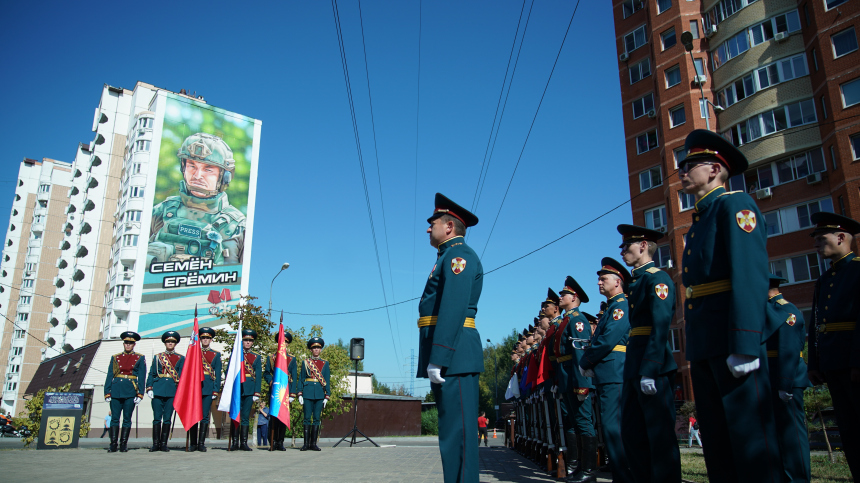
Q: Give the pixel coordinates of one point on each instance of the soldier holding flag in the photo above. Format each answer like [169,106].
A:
[189,393]
[280,373]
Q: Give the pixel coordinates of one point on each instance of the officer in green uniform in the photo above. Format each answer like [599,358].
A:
[122,388]
[834,336]
[576,407]
[450,352]
[648,414]
[726,278]
[786,336]
[604,361]
[161,388]
[314,392]
[250,389]
[200,222]
[278,428]
[210,386]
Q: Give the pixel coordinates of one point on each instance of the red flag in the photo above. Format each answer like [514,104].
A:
[188,402]
[279,406]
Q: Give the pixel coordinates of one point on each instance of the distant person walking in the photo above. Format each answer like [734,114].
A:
[482,428]
[107,425]
[263,426]
[694,432]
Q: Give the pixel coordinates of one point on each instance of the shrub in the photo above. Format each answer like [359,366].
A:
[430,422]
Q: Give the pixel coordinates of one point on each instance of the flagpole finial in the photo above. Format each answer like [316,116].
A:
[282,316]
[195,311]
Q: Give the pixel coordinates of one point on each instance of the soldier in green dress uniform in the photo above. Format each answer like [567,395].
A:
[574,388]
[161,388]
[278,428]
[834,334]
[604,361]
[250,390]
[210,386]
[450,352]
[726,278]
[786,334]
[314,392]
[648,414]
[122,388]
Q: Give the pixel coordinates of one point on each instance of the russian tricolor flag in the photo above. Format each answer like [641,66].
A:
[231,398]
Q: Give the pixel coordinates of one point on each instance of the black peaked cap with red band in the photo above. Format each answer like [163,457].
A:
[610,265]
[552,297]
[635,234]
[825,221]
[701,144]
[445,206]
[571,286]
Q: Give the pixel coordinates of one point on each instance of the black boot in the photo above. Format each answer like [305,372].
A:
[574,452]
[192,438]
[282,431]
[234,443]
[156,437]
[243,442]
[123,440]
[201,438]
[113,431]
[315,434]
[165,435]
[306,440]
[588,462]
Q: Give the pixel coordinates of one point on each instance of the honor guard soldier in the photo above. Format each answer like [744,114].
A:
[122,388]
[210,386]
[315,392]
[604,361]
[450,352]
[647,398]
[788,379]
[250,389]
[278,428]
[726,278]
[161,388]
[834,337]
[574,388]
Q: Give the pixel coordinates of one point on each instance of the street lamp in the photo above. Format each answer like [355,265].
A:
[496,377]
[283,267]
[687,40]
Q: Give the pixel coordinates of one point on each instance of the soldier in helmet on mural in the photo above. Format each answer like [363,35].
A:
[199,222]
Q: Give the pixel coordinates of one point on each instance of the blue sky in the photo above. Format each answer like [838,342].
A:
[280,62]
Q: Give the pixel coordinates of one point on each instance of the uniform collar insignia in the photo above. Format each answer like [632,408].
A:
[709,198]
[454,240]
[642,268]
[617,297]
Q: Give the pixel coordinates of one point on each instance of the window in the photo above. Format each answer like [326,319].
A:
[833,157]
[796,217]
[142,145]
[687,201]
[850,93]
[129,240]
[14,369]
[677,116]
[673,76]
[11,386]
[132,215]
[17,351]
[700,66]
[737,183]
[703,108]
[634,40]
[650,178]
[23,317]
[676,340]
[145,123]
[844,42]
[642,105]
[27,283]
[662,257]
[841,205]
[38,219]
[679,154]
[137,191]
[771,223]
[823,108]
[640,71]
[694,28]
[25,300]
[855,147]
[123,290]
[785,23]
[730,49]
[656,218]
[44,188]
[663,5]
[136,168]
[669,38]
[723,10]
[779,119]
[790,169]
[805,268]
[19,334]
[828,4]
[29,267]
[629,7]
[646,142]
[815,60]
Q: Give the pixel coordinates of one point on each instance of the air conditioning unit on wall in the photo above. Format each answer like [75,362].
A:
[813,178]
[623,57]
[763,193]
[709,32]
[652,113]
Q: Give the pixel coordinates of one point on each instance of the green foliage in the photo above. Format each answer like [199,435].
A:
[382,388]
[497,368]
[816,399]
[688,409]
[254,317]
[430,422]
[32,417]
[343,345]
[430,397]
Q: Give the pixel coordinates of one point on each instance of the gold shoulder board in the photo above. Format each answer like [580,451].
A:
[782,301]
[653,270]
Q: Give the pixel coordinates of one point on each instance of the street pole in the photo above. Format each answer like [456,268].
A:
[272,285]
[687,40]
[496,377]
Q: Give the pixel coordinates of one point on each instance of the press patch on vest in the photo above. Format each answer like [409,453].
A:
[189,230]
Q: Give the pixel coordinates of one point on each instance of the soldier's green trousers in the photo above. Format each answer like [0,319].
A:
[457,402]
[610,420]
[245,410]
[207,408]
[649,437]
[124,405]
[577,415]
[792,435]
[162,409]
[313,411]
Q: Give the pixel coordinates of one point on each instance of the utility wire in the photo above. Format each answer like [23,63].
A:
[417,125]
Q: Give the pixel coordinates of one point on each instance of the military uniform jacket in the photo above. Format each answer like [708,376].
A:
[785,346]
[253,374]
[316,379]
[450,297]
[211,372]
[525,387]
[725,244]
[573,324]
[126,374]
[833,343]
[292,372]
[164,374]
[652,306]
[606,353]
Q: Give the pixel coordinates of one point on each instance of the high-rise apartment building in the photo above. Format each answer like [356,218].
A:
[781,80]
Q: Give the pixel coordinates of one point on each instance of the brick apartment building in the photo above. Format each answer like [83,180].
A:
[781,79]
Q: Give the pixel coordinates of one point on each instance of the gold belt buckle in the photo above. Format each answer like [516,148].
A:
[689,292]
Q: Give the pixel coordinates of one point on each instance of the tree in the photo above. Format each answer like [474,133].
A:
[816,399]
[343,345]
[32,417]
[497,367]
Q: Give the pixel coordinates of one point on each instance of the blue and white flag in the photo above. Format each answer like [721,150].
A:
[231,398]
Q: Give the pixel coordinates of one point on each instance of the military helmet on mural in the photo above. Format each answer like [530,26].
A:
[212,150]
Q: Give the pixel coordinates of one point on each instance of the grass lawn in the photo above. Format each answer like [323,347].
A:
[693,469]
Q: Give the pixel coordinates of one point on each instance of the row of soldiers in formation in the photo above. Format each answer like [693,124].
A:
[744,344]
[123,390]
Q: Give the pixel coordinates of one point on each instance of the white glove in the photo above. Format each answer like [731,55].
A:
[136,400]
[434,372]
[553,389]
[325,401]
[107,399]
[647,385]
[255,398]
[149,393]
[292,399]
[741,364]
[301,400]
[785,396]
[586,372]
[582,397]
[541,391]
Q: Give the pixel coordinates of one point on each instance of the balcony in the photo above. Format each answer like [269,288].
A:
[71,323]
[96,161]
[81,252]
[43,196]
[128,255]
[121,305]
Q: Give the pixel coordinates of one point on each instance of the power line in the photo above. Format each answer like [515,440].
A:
[417,125]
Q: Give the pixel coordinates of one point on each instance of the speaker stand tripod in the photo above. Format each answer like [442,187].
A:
[355,431]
